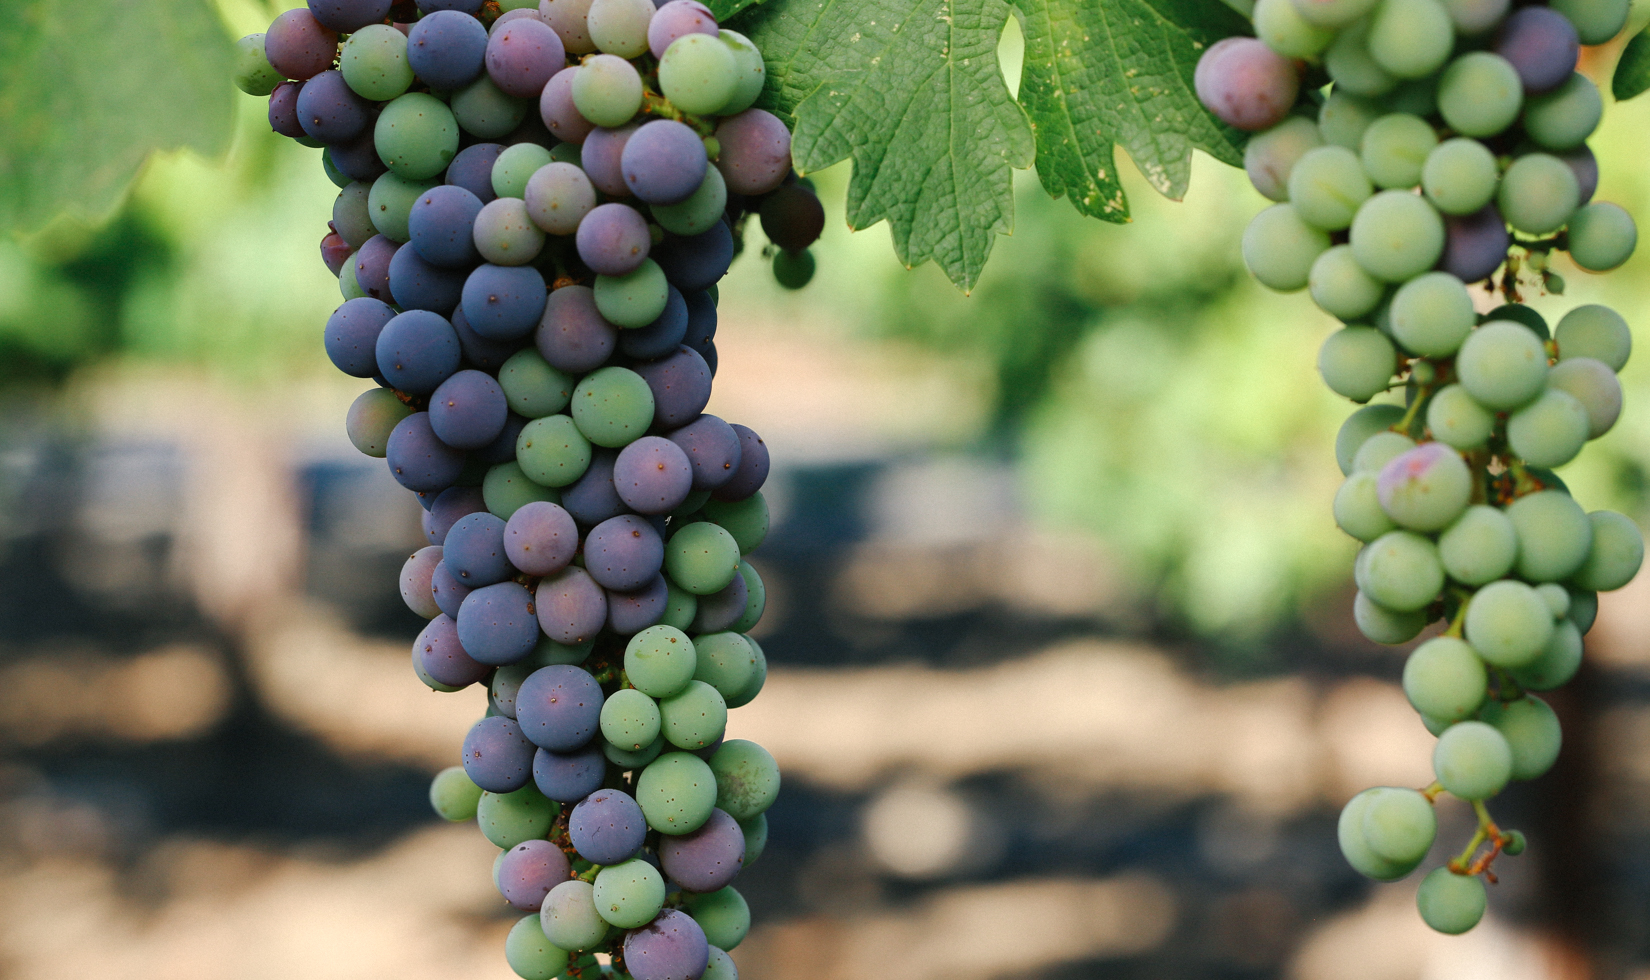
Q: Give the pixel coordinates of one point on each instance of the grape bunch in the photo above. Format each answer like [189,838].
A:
[1416,149]
[535,294]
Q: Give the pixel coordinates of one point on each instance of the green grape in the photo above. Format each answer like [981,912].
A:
[1444,679]
[1450,903]
[374,63]
[1616,552]
[1396,146]
[612,407]
[532,387]
[660,661]
[453,795]
[1594,331]
[723,915]
[1557,662]
[1432,314]
[1519,313]
[1538,193]
[1459,176]
[1401,571]
[1280,24]
[372,417]
[1341,287]
[253,74]
[1380,449]
[793,270]
[1532,733]
[507,819]
[1583,608]
[1596,21]
[698,74]
[515,166]
[1416,97]
[1472,760]
[1479,547]
[1549,431]
[482,109]
[1435,726]
[1475,16]
[680,608]
[607,90]
[416,136]
[630,719]
[505,233]
[719,966]
[629,894]
[1410,38]
[1355,847]
[1399,825]
[1563,118]
[1397,236]
[701,209]
[759,662]
[1602,236]
[1456,420]
[1480,94]
[1359,428]
[1279,248]
[702,558]
[1502,365]
[677,792]
[746,520]
[634,299]
[338,177]
[1508,623]
[749,73]
[1358,509]
[1382,625]
[1554,535]
[506,489]
[390,201]
[569,917]
[1357,362]
[568,152]
[1352,67]
[724,661]
[619,27]
[695,717]
[1557,598]
[756,837]
[629,761]
[747,778]
[1426,488]
[1343,118]
[548,652]
[528,952]
[756,601]
[352,215]
[1514,843]
[1326,186]
[347,284]
[553,451]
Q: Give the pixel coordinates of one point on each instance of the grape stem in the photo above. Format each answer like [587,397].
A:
[1402,425]
[1433,792]
[590,875]
[1458,624]
[1466,864]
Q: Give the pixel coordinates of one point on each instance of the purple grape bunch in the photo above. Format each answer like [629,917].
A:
[535,207]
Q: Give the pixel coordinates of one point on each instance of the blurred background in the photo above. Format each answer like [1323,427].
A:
[1064,680]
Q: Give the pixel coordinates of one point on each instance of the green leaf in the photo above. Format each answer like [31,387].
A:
[1632,75]
[1102,72]
[911,91]
[723,9]
[87,90]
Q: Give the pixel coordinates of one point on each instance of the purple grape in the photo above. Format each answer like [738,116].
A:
[720,610]
[372,266]
[592,498]
[1245,83]
[707,859]
[522,55]
[497,625]
[540,538]
[450,505]
[569,777]
[335,252]
[600,157]
[560,706]
[792,217]
[557,111]
[447,590]
[417,285]
[472,169]
[573,335]
[1475,245]
[352,335]
[623,553]
[612,239]
[607,827]
[447,48]
[440,223]
[752,471]
[468,410]
[497,756]
[474,550]
[1542,44]
[330,111]
[481,352]
[415,582]
[709,354]
[299,46]
[443,657]
[756,152]
[675,19]
[358,159]
[1585,167]
[504,302]
[471,7]
[663,162]
[652,476]
[417,459]
[502,449]
[283,109]
[529,870]
[631,612]
[663,335]
[709,751]
[680,385]
[694,262]
[417,350]
[349,16]
[671,947]
[701,326]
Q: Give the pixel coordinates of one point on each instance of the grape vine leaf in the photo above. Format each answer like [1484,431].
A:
[1632,75]
[912,92]
[723,9]
[1102,72]
[87,90]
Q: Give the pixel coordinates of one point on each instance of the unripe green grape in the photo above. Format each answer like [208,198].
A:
[1538,193]
[1397,236]
[756,603]
[1426,488]
[619,27]
[483,110]
[660,661]
[746,520]
[759,660]
[697,74]
[1343,118]
[723,915]
[1450,903]
[1341,287]
[1549,431]
[1378,450]
[530,954]
[634,299]
[747,778]
[515,166]
[681,607]
[453,796]
[1519,313]
[552,451]
[416,136]
[532,388]
[1455,419]
[1475,16]
[1472,760]
[630,719]
[1554,535]
[1583,608]
[1359,428]
[677,792]
[253,74]
[607,90]
[1594,386]
[1410,38]
[1502,365]
[702,209]
[374,63]
[1480,94]
[505,233]
[1399,824]
[569,918]
[1355,847]
[1400,570]
[1280,25]
[1379,624]
[506,489]
[1432,314]
[1557,662]
[507,819]
[612,407]
[1508,624]
[1445,679]
[1358,509]
[1279,248]
[1395,147]
[724,662]
[1459,176]
[756,837]
[1479,547]
[702,558]
[749,72]
[1352,67]
[390,201]
[1514,842]
[1563,118]
[1357,362]
[1602,236]
[695,717]
[1615,556]
[793,270]
[1596,21]
[629,894]
[1532,732]
[1594,331]
[372,417]
[629,761]
[1270,156]
[1557,598]
[1327,185]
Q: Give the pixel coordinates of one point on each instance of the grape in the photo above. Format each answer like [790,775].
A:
[1596,21]
[474,550]
[756,152]
[623,553]
[681,388]
[1343,118]
[663,335]
[699,211]
[439,654]
[482,110]
[559,707]
[299,46]
[1432,314]
[752,471]
[504,302]
[496,623]
[505,235]
[695,717]
[416,136]
[746,520]
[522,55]
[1410,38]
[634,299]
[672,947]
[574,336]
[449,507]
[592,498]
[1351,66]
[1602,236]
[723,914]
[552,452]
[756,841]
[1557,662]
[1459,176]
[418,285]
[1279,248]
[1502,365]
[530,953]
[471,7]
[1557,598]
[453,796]
[351,218]
[1560,119]
[613,239]
[607,91]
[1472,760]
[629,894]
[1357,362]
[1397,236]
[1615,556]
[1270,157]
[390,202]
[747,778]
[356,159]
[329,111]
[1401,571]
[507,819]
[1398,825]
[1326,187]
[447,591]
[698,74]
[351,337]
[1475,245]
[540,538]
[472,169]
[724,661]
[1585,166]
[528,871]
[497,757]
[664,162]
[677,792]
[630,720]
[568,915]
[335,252]
[1553,535]
[571,607]
[569,20]
[719,966]
[415,581]
[439,224]
[417,350]
[697,262]
[612,407]
[447,49]
[702,558]
[1445,679]
[1541,44]
[1583,607]
[1341,287]
[1378,450]
[533,388]
[749,72]
[1479,547]
[1538,193]
[632,612]
[1327,13]
[608,826]
[1358,508]
[660,661]
[571,776]
[619,27]
[1508,624]
[559,196]
[1426,488]
[283,109]
[372,267]
[675,19]
[1280,25]
[1475,16]
[515,166]
[1480,94]
[720,610]
[507,489]
[1549,431]
[1395,148]
[253,73]
[1245,83]
[1597,332]
[652,476]
[1450,903]
[1532,733]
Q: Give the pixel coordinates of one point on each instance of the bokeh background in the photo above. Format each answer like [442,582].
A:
[1064,682]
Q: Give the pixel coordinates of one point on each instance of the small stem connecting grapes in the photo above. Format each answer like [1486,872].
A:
[1488,831]
[1433,792]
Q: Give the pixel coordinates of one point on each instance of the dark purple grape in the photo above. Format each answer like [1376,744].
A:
[720,610]
[752,471]
[471,7]
[713,449]
[652,476]
[558,113]
[623,553]
[481,352]
[663,162]
[1475,245]
[528,871]
[497,623]
[792,217]
[568,777]
[443,657]
[573,335]
[560,706]
[601,155]
[571,606]
[522,55]
[592,498]
[440,225]
[693,262]
[612,239]
[358,159]
[632,612]
[756,152]
[497,756]
[372,266]
[1585,166]
[299,46]
[607,827]
[418,285]
[504,302]
[540,538]
[681,387]
[701,328]
[417,459]
[335,252]
[662,335]
[671,947]
[349,16]
[472,169]
[675,19]
[330,111]
[450,505]
[447,48]
[447,590]
[1542,44]
[417,350]
[468,410]
[474,550]
[352,335]
[283,109]
[707,859]
[502,449]
[709,353]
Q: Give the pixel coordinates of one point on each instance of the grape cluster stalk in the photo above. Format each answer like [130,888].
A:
[1419,151]
[536,205]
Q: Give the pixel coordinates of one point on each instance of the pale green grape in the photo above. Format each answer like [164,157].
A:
[1549,431]
[698,74]
[1357,362]
[1475,16]
[1379,449]
[702,558]
[506,489]
[1445,679]
[695,717]
[746,520]
[1480,94]
[1594,385]
[1399,824]
[529,952]
[1343,118]
[531,386]
[1554,535]
[1557,598]
[1341,287]
[1479,547]
[1426,488]
[569,918]
[453,795]
[1410,38]
[619,27]
[1397,236]
[724,662]
[1382,625]
[612,406]
[1358,428]
[1358,508]
[416,136]
[1557,662]
[1352,67]
[1460,175]
[1602,236]
[723,914]
[1596,21]
[374,63]
[1281,26]
[677,792]
[1532,733]
[747,778]
[1395,147]
[1327,185]
[1450,903]
[515,166]
[507,819]
[719,966]
[1401,571]
[749,73]
[1472,760]
[1538,193]
[1279,248]
[634,299]
[1594,331]
[629,894]
[701,209]
[1455,419]
[1355,847]
[552,452]
[1508,623]
[1615,555]
[1563,118]
[1432,314]
[1502,365]
[660,661]
[630,719]
[607,90]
